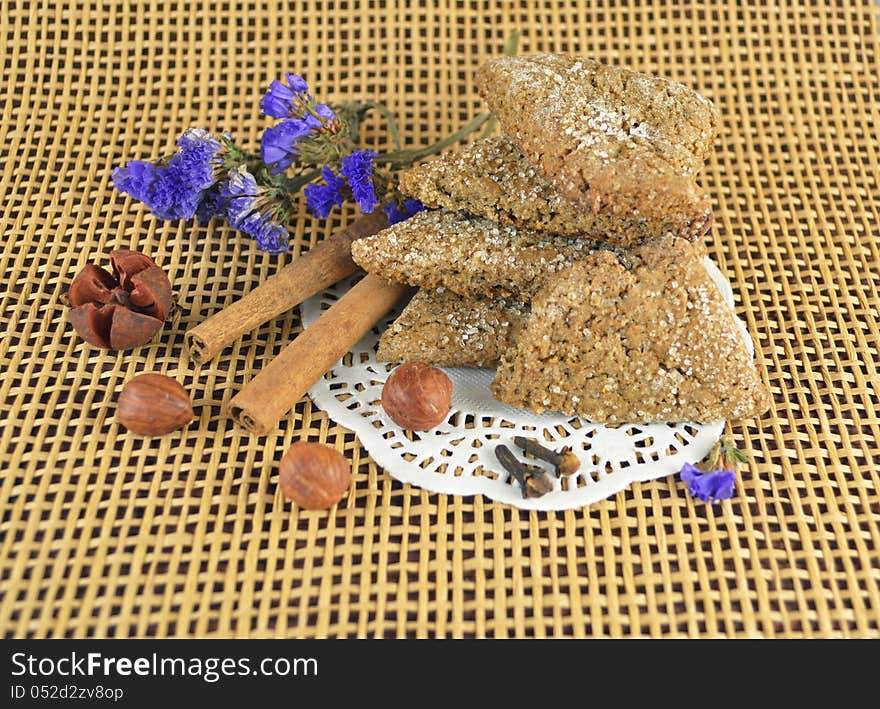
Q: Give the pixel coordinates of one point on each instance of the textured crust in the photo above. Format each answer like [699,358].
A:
[491,178]
[469,256]
[604,136]
[651,343]
[443,329]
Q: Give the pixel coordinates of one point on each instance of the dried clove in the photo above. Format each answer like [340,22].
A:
[566,462]
[533,480]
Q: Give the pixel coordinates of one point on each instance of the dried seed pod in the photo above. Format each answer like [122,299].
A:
[153,405]
[313,475]
[122,310]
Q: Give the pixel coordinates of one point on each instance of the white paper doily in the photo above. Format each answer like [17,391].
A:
[457,457]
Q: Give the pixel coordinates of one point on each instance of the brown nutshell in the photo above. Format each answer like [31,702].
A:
[313,475]
[153,405]
[122,310]
[417,396]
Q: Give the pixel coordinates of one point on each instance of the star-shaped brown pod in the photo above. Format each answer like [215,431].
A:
[121,310]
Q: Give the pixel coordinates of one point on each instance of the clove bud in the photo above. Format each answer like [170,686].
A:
[566,463]
[532,480]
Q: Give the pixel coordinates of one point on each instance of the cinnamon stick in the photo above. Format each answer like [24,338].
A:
[276,389]
[327,263]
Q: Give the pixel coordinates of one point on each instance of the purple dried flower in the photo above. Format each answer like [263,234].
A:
[297,83]
[269,235]
[251,209]
[716,485]
[189,173]
[320,199]
[174,190]
[272,238]
[136,179]
[278,145]
[197,139]
[325,112]
[284,100]
[357,168]
[213,204]
[241,193]
[398,212]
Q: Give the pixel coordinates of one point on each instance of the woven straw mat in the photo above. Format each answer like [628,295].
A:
[108,534]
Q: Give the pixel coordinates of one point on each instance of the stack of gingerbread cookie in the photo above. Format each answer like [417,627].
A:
[568,251]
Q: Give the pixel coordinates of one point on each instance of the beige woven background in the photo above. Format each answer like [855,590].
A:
[104,533]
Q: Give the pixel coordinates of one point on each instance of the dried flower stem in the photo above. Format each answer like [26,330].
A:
[511,46]
[402,158]
[292,185]
[389,120]
[723,455]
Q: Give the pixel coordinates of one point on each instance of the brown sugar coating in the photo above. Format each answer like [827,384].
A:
[651,343]
[443,329]
[467,255]
[491,178]
[605,137]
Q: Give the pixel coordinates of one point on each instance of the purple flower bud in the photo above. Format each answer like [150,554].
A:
[278,101]
[297,83]
[281,100]
[323,110]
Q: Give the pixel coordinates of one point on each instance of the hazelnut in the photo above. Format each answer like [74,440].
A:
[313,475]
[153,405]
[122,310]
[417,397]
